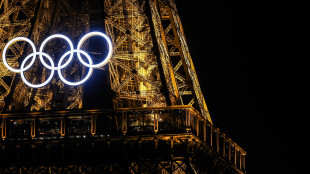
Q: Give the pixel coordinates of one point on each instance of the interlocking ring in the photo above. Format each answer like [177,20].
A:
[90,71]
[12,42]
[60,66]
[22,69]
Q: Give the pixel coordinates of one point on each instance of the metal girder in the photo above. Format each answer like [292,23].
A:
[11,26]
[179,53]
[133,70]
[164,55]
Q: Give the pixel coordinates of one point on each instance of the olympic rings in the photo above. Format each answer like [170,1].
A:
[52,37]
[90,71]
[60,66]
[12,42]
[22,70]
[105,61]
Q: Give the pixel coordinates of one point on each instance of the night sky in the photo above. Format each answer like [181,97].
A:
[231,45]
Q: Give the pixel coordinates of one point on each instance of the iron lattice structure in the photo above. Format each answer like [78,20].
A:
[149,52]
[151,69]
[36,20]
[144,32]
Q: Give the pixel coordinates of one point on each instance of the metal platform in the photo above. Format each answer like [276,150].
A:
[174,139]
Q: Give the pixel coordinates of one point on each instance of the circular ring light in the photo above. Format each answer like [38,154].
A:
[50,38]
[12,42]
[105,61]
[90,71]
[22,70]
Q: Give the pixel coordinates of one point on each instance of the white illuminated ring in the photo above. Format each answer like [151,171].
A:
[52,37]
[12,42]
[22,70]
[105,61]
[90,71]
[60,65]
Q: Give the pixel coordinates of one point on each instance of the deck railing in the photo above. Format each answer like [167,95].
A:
[125,121]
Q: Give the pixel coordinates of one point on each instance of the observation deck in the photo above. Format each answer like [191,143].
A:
[179,138]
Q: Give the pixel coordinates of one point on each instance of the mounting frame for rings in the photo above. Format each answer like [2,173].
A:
[60,66]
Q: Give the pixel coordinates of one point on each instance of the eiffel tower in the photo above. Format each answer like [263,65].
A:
[152,117]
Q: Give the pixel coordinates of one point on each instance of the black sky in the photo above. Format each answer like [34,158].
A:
[231,45]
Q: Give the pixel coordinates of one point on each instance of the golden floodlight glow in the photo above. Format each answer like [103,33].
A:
[59,66]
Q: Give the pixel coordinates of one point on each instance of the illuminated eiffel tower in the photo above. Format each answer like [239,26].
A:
[159,122]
